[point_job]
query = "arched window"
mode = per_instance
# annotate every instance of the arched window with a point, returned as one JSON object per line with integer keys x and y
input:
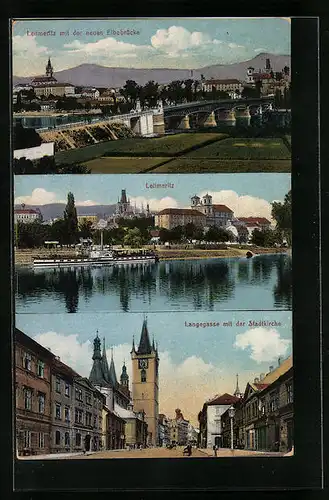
{"x": 57, "y": 438}
{"x": 67, "y": 439}
{"x": 78, "y": 440}
{"x": 143, "y": 376}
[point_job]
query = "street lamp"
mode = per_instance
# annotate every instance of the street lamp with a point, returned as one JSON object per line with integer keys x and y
{"x": 231, "y": 413}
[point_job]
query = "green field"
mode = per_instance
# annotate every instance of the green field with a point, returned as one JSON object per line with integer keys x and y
{"x": 169, "y": 145}
{"x": 117, "y": 165}
{"x": 204, "y": 165}
{"x": 243, "y": 148}
{"x": 183, "y": 153}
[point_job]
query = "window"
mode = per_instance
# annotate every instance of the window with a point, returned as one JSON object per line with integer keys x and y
{"x": 67, "y": 413}
{"x": 78, "y": 440}
{"x": 143, "y": 376}
{"x": 78, "y": 394}
{"x": 290, "y": 392}
{"x": 78, "y": 416}
{"x": 27, "y": 399}
{"x": 41, "y": 401}
{"x": 41, "y": 369}
{"x": 27, "y": 361}
{"x": 58, "y": 385}
{"x": 57, "y": 438}
{"x": 88, "y": 418}
{"x": 67, "y": 439}
{"x": 58, "y": 411}
{"x": 274, "y": 401}
{"x": 262, "y": 406}
{"x": 88, "y": 398}
{"x": 41, "y": 440}
{"x": 95, "y": 421}
{"x": 27, "y": 439}
{"x": 67, "y": 389}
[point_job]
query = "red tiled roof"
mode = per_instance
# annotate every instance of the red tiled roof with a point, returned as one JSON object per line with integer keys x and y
{"x": 253, "y": 220}
{"x": 228, "y": 81}
{"x": 260, "y": 386}
{"x": 44, "y": 79}
{"x": 262, "y": 76}
{"x": 222, "y": 208}
{"x": 181, "y": 211}
{"x": 25, "y": 211}
{"x": 224, "y": 399}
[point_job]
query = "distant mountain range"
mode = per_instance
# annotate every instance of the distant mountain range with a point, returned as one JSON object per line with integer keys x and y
{"x": 55, "y": 210}
{"x": 93, "y": 75}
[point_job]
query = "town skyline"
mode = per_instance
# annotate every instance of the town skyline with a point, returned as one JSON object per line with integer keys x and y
{"x": 145, "y": 43}
{"x": 192, "y": 357}
{"x": 245, "y": 194}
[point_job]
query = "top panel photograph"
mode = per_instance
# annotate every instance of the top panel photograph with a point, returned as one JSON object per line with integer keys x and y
{"x": 169, "y": 95}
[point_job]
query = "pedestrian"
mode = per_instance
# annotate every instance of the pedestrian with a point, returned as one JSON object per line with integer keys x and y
{"x": 189, "y": 450}
{"x": 215, "y": 450}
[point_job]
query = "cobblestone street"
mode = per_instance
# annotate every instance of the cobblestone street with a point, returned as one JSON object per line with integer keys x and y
{"x": 166, "y": 453}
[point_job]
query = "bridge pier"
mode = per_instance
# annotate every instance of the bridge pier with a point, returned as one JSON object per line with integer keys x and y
{"x": 184, "y": 123}
{"x": 207, "y": 120}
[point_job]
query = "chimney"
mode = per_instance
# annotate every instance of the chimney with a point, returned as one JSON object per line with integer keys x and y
{"x": 279, "y": 361}
{"x": 262, "y": 376}
{"x": 256, "y": 380}
{"x": 271, "y": 368}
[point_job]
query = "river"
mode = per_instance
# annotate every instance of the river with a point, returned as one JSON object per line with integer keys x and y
{"x": 260, "y": 283}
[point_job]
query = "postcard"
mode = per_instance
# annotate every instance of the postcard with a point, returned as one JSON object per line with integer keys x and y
{"x": 156, "y": 96}
{"x": 153, "y": 309}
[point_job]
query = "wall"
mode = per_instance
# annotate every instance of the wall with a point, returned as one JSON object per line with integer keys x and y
{"x": 214, "y": 413}
{"x": 45, "y": 149}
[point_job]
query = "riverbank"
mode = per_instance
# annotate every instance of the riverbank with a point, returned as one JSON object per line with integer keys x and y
{"x": 24, "y": 257}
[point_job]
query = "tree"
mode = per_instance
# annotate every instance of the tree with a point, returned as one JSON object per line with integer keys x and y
{"x": 85, "y": 230}
{"x": 130, "y": 91}
{"x": 217, "y": 234}
{"x": 149, "y": 94}
{"x": 25, "y": 137}
{"x": 71, "y": 220}
{"x": 281, "y": 213}
{"x": 190, "y": 231}
{"x": 133, "y": 238}
{"x": 58, "y": 231}
{"x": 164, "y": 234}
{"x": 249, "y": 92}
{"x": 87, "y": 106}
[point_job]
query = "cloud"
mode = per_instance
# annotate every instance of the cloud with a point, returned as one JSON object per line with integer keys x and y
{"x": 175, "y": 47}
{"x": 185, "y": 385}
{"x": 260, "y": 50}
{"x": 242, "y": 206}
{"x": 264, "y": 344}
{"x": 39, "y": 196}
{"x": 28, "y": 55}
{"x": 154, "y": 203}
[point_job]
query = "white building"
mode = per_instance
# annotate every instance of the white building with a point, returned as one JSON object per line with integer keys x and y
{"x": 26, "y": 215}
{"x": 91, "y": 93}
{"x": 192, "y": 434}
{"x": 215, "y": 408}
{"x": 45, "y": 149}
{"x": 228, "y": 85}
{"x": 216, "y": 215}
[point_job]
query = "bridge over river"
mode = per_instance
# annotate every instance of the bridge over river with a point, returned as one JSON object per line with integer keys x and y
{"x": 207, "y": 113}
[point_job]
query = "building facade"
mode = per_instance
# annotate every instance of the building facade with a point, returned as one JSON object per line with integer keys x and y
{"x": 173, "y": 217}
{"x": 48, "y": 85}
{"x": 145, "y": 383}
{"x": 33, "y": 396}
{"x": 228, "y": 85}
{"x": 26, "y": 215}
{"x": 216, "y": 215}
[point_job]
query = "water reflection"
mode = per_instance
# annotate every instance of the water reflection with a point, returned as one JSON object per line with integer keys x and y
{"x": 263, "y": 282}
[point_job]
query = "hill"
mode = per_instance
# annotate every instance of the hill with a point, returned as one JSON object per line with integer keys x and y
{"x": 94, "y": 75}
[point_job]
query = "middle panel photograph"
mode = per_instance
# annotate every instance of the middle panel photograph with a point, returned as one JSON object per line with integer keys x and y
{"x": 130, "y": 243}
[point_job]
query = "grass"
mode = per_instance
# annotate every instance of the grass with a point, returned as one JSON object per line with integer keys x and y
{"x": 243, "y": 148}
{"x": 203, "y": 165}
{"x": 122, "y": 165}
{"x": 169, "y": 145}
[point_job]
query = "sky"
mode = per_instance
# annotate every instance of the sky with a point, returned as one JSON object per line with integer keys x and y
{"x": 140, "y": 43}
{"x": 246, "y": 194}
{"x": 196, "y": 363}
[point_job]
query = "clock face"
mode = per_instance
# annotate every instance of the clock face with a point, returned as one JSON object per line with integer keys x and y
{"x": 142, "y": 364}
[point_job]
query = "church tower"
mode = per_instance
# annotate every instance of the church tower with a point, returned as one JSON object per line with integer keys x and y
{"x": 207, "y": 205}
{"x": 145, "y": 382}
{"x": 237, "y": 392}
{"x": 49, "y": 69}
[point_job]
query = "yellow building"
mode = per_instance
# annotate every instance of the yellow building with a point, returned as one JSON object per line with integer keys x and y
{"x": 145, "y": 383}
{"x": 173, "y": 217}
{"x": 86, "y": 218}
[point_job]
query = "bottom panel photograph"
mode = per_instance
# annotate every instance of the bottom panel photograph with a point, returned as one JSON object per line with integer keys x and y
{"x": 165, "y": 385}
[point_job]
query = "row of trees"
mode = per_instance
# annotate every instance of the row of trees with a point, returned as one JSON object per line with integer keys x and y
{"x": 137, "y": 232}
{"x": 46, "y": 165}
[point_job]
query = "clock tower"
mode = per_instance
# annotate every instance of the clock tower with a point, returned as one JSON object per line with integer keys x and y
{"x": 145, "y": 382}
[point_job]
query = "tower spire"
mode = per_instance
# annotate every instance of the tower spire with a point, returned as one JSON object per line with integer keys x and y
{"x": 144, "y": 343}
{"x": 237, "y": 392}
